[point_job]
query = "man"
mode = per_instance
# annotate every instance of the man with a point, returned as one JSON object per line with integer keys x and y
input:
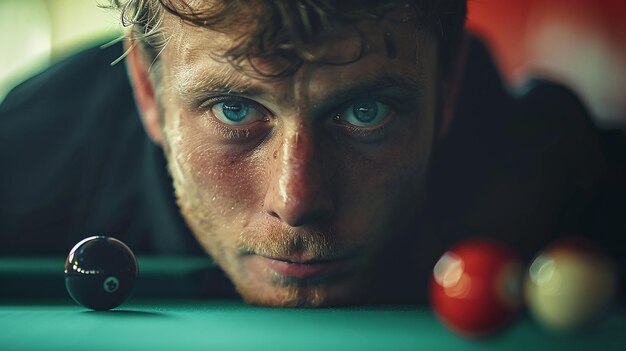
{"x": 298, "y": 136}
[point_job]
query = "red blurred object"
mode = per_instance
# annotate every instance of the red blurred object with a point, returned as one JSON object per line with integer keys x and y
{"x": 475, "y": 287}
{"x": 579, "y": 43}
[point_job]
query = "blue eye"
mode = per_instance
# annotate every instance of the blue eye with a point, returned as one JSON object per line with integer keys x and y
{"x": 364, "y": 113}
{"x": 236, "y": 112}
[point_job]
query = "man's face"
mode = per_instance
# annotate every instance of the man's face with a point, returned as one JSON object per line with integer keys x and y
{"x": 297, "y": 187}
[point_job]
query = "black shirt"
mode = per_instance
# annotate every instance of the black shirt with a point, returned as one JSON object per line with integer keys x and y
{"x": 76, "y": 162}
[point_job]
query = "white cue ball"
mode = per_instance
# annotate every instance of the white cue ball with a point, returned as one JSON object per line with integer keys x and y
{"x": 570, "y": 285}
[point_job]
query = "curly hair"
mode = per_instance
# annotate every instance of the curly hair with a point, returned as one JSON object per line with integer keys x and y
{"x": 284, "y": 29}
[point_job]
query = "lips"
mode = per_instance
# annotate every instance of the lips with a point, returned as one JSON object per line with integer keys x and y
{"x": 298, "y": 267}
{"x": 300, "y": 270}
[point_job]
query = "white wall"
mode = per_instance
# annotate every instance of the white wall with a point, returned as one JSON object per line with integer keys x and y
{"x": 35, "y": 33}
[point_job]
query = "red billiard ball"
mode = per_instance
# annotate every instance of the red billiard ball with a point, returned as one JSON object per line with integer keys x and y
{"x": 100, "y": 272}
{"x": 475, "y": 287}
{"x": 571, "y": 284}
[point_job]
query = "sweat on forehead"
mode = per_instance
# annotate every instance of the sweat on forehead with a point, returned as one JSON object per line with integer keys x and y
{"x": 281, "y": 36}
{"x": 194, "y": 51}
{"x": 193, "y": 76}
{"x": 286, "y": 28}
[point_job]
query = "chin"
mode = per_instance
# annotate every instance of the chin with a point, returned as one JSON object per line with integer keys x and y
{"x": 286, "y": 297}
{"x": 282, "y": 294}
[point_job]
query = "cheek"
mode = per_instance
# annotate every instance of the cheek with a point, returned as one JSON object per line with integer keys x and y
{"x": 383, "y": 187}
{"x": 215, "y": 177}
{"x": 377, "y": 189}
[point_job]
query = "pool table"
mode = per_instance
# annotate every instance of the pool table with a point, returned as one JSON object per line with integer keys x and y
{"x": 181, "y": 303}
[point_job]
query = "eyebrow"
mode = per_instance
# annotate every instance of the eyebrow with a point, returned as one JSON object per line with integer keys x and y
{"x": 195, "y": 85}
{"x": 369, "y": 85}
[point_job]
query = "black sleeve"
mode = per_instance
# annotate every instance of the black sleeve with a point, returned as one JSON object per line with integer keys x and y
{"x": 76, "y": 162}
{"x": 526, "y": 167}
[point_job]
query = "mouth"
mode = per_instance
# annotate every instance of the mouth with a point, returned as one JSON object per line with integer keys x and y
{"x": 299, "y": 269}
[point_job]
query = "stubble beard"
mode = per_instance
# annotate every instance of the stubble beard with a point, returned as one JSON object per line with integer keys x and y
{"x": 272, "y": 242}
{"x": 269, "y": 242}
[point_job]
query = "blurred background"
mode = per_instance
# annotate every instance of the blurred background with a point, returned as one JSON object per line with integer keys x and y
{"x": 36, "y": 33}
{"x": 581, "y": 43}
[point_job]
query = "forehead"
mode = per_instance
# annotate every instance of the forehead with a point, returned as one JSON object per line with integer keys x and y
{"x": 194, "y": 53}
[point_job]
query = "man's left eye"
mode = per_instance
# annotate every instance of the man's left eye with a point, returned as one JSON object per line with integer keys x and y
{"x": 237, "y": 112}
{"x": 364, "y": 113}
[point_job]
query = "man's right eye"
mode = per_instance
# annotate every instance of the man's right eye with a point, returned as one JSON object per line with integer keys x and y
{"x": 237, "y": 112}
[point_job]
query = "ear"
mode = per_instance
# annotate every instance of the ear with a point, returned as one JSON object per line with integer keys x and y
{"x": 451, "y": 86}
{"x": 143, "y": 90}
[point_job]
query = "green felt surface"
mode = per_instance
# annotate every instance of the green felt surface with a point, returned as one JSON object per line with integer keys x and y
{"x": 231, "y": 325}
{"x": 178, "y": 320}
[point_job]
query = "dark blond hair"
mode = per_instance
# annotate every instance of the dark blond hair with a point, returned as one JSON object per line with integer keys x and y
{"x": 284, "y": 29}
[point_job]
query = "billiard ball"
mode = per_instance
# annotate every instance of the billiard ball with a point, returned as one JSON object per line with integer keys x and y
{"x": 475, "y": 287}
{"x": 570, "y": 285}
{"x": 100, "y": 272}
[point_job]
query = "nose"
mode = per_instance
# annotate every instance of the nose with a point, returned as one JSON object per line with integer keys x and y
{"x": 298, "y": 193}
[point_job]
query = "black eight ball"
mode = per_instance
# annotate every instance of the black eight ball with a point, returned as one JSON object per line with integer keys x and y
{"x": 100, "y": 272}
